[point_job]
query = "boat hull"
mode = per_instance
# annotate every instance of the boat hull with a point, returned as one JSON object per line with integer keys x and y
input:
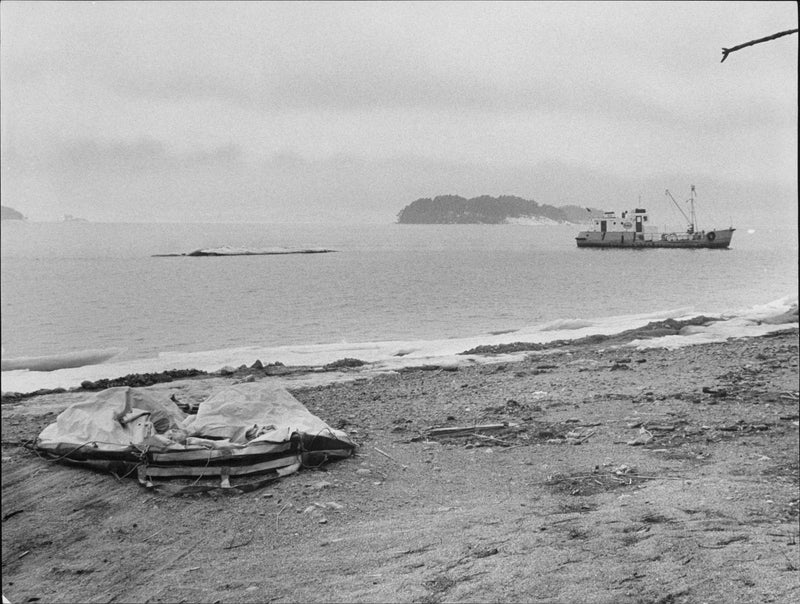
{"x": 716, "y": 239}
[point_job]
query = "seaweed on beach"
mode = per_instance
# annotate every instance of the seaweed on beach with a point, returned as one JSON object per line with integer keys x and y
{"x": 654, "y": 329}
{"x": 591, "y": 483}
{"x": 344, "y": 363}
{"x": 134, "y": 380}
{"x": 138, "y": 380}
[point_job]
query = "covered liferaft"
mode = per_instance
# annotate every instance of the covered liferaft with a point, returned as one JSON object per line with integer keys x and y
{"x": 242, "y": 436}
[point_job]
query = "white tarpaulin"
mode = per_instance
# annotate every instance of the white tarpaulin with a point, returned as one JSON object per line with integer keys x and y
{"x": 250, "y": 428}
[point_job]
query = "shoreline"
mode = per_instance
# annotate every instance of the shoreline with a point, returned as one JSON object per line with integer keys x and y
{"x": 377, "y": 357}
{"x": 488, "y": 352}
{"x": 619, "y": 475}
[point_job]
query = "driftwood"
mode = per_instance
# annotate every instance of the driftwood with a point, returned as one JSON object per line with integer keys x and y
{"x": 727, "y": 51}
{"x": 456, "y": 430}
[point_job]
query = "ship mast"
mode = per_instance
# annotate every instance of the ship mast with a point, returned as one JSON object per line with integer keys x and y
{"x": 691, "y": 205}
{"x": 680, "y": 209}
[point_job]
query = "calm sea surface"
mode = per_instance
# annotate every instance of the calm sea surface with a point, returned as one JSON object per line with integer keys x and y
{"x": 77, "y": 286}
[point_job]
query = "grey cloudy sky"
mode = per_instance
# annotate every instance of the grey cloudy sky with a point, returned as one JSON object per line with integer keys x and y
{"x": 305, "y": 111}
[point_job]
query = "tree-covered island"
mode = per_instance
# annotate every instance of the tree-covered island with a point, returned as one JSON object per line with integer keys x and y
{"x": 453, "y": 209}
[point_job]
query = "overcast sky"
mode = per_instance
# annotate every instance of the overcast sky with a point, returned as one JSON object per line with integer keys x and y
{"x": 304, "y": 111}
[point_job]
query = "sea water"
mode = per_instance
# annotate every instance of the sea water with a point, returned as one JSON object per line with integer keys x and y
{"x": 75, "y": 286}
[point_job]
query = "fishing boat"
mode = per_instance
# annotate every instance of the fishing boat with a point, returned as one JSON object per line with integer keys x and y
{"x": 630, "y": 230}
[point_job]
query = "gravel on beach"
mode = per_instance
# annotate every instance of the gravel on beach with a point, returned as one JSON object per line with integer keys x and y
{"x": 591, "y": 473}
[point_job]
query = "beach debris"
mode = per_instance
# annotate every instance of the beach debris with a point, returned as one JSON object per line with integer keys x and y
{"x": 413, "y": 368}
{"x": 317, "y": 510}
{"x": 385, "y": 454}
{"x": 643, "y": 438}
{"x": 468, "y": 430}
{"x": 573, "y": 437}
{"x": 660, "y": 427}
{"x": 238, "y": 429}
{"x": 719, "y": 393}
{"x": 741, "y": 426}
{"x": 508, "y": 435}
{"x": 597, "y": 481}
{"x": 578, "y": 437}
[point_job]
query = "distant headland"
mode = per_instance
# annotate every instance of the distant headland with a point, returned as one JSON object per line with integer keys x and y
{"x": 453, "y": 209}
{"x": 7, "y": 213}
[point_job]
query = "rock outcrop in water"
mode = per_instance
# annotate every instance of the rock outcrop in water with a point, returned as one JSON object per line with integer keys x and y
{"x": 236, "y": 251}
{"x": 452, "y": 209}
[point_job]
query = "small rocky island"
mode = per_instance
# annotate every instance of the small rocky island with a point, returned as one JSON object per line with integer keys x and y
{"x": 239, "y": 251}
{"x": 453, "y": 209}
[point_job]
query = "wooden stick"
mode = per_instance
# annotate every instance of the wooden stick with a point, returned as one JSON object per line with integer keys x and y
{"x": 385, "y": 454}
{"x": 727, "y": 51}
{"x": 492, "y": 438}
{"x": 465, "y": 429}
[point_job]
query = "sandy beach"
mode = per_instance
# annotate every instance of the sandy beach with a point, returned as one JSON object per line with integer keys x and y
{"x": 601, "y": 474}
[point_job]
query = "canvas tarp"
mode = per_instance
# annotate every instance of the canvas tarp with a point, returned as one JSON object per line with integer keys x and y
{"x": 244, "y": 429}
{"x": 256, "y": 408}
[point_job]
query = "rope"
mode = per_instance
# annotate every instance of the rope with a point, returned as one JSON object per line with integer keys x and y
{"x": 48, "y": 458}
{"x": 208, "y": 461}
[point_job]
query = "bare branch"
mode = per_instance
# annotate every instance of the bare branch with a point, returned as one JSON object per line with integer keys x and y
{"x": 727, "y": 51}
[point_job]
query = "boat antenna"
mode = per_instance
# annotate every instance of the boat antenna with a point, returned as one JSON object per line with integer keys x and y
{"x": 680, "y": 209}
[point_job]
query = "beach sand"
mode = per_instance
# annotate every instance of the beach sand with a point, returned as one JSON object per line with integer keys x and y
{"x": 621, "y": 476}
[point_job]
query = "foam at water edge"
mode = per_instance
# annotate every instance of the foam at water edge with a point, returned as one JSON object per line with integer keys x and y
{"x": 397, "y": 354}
